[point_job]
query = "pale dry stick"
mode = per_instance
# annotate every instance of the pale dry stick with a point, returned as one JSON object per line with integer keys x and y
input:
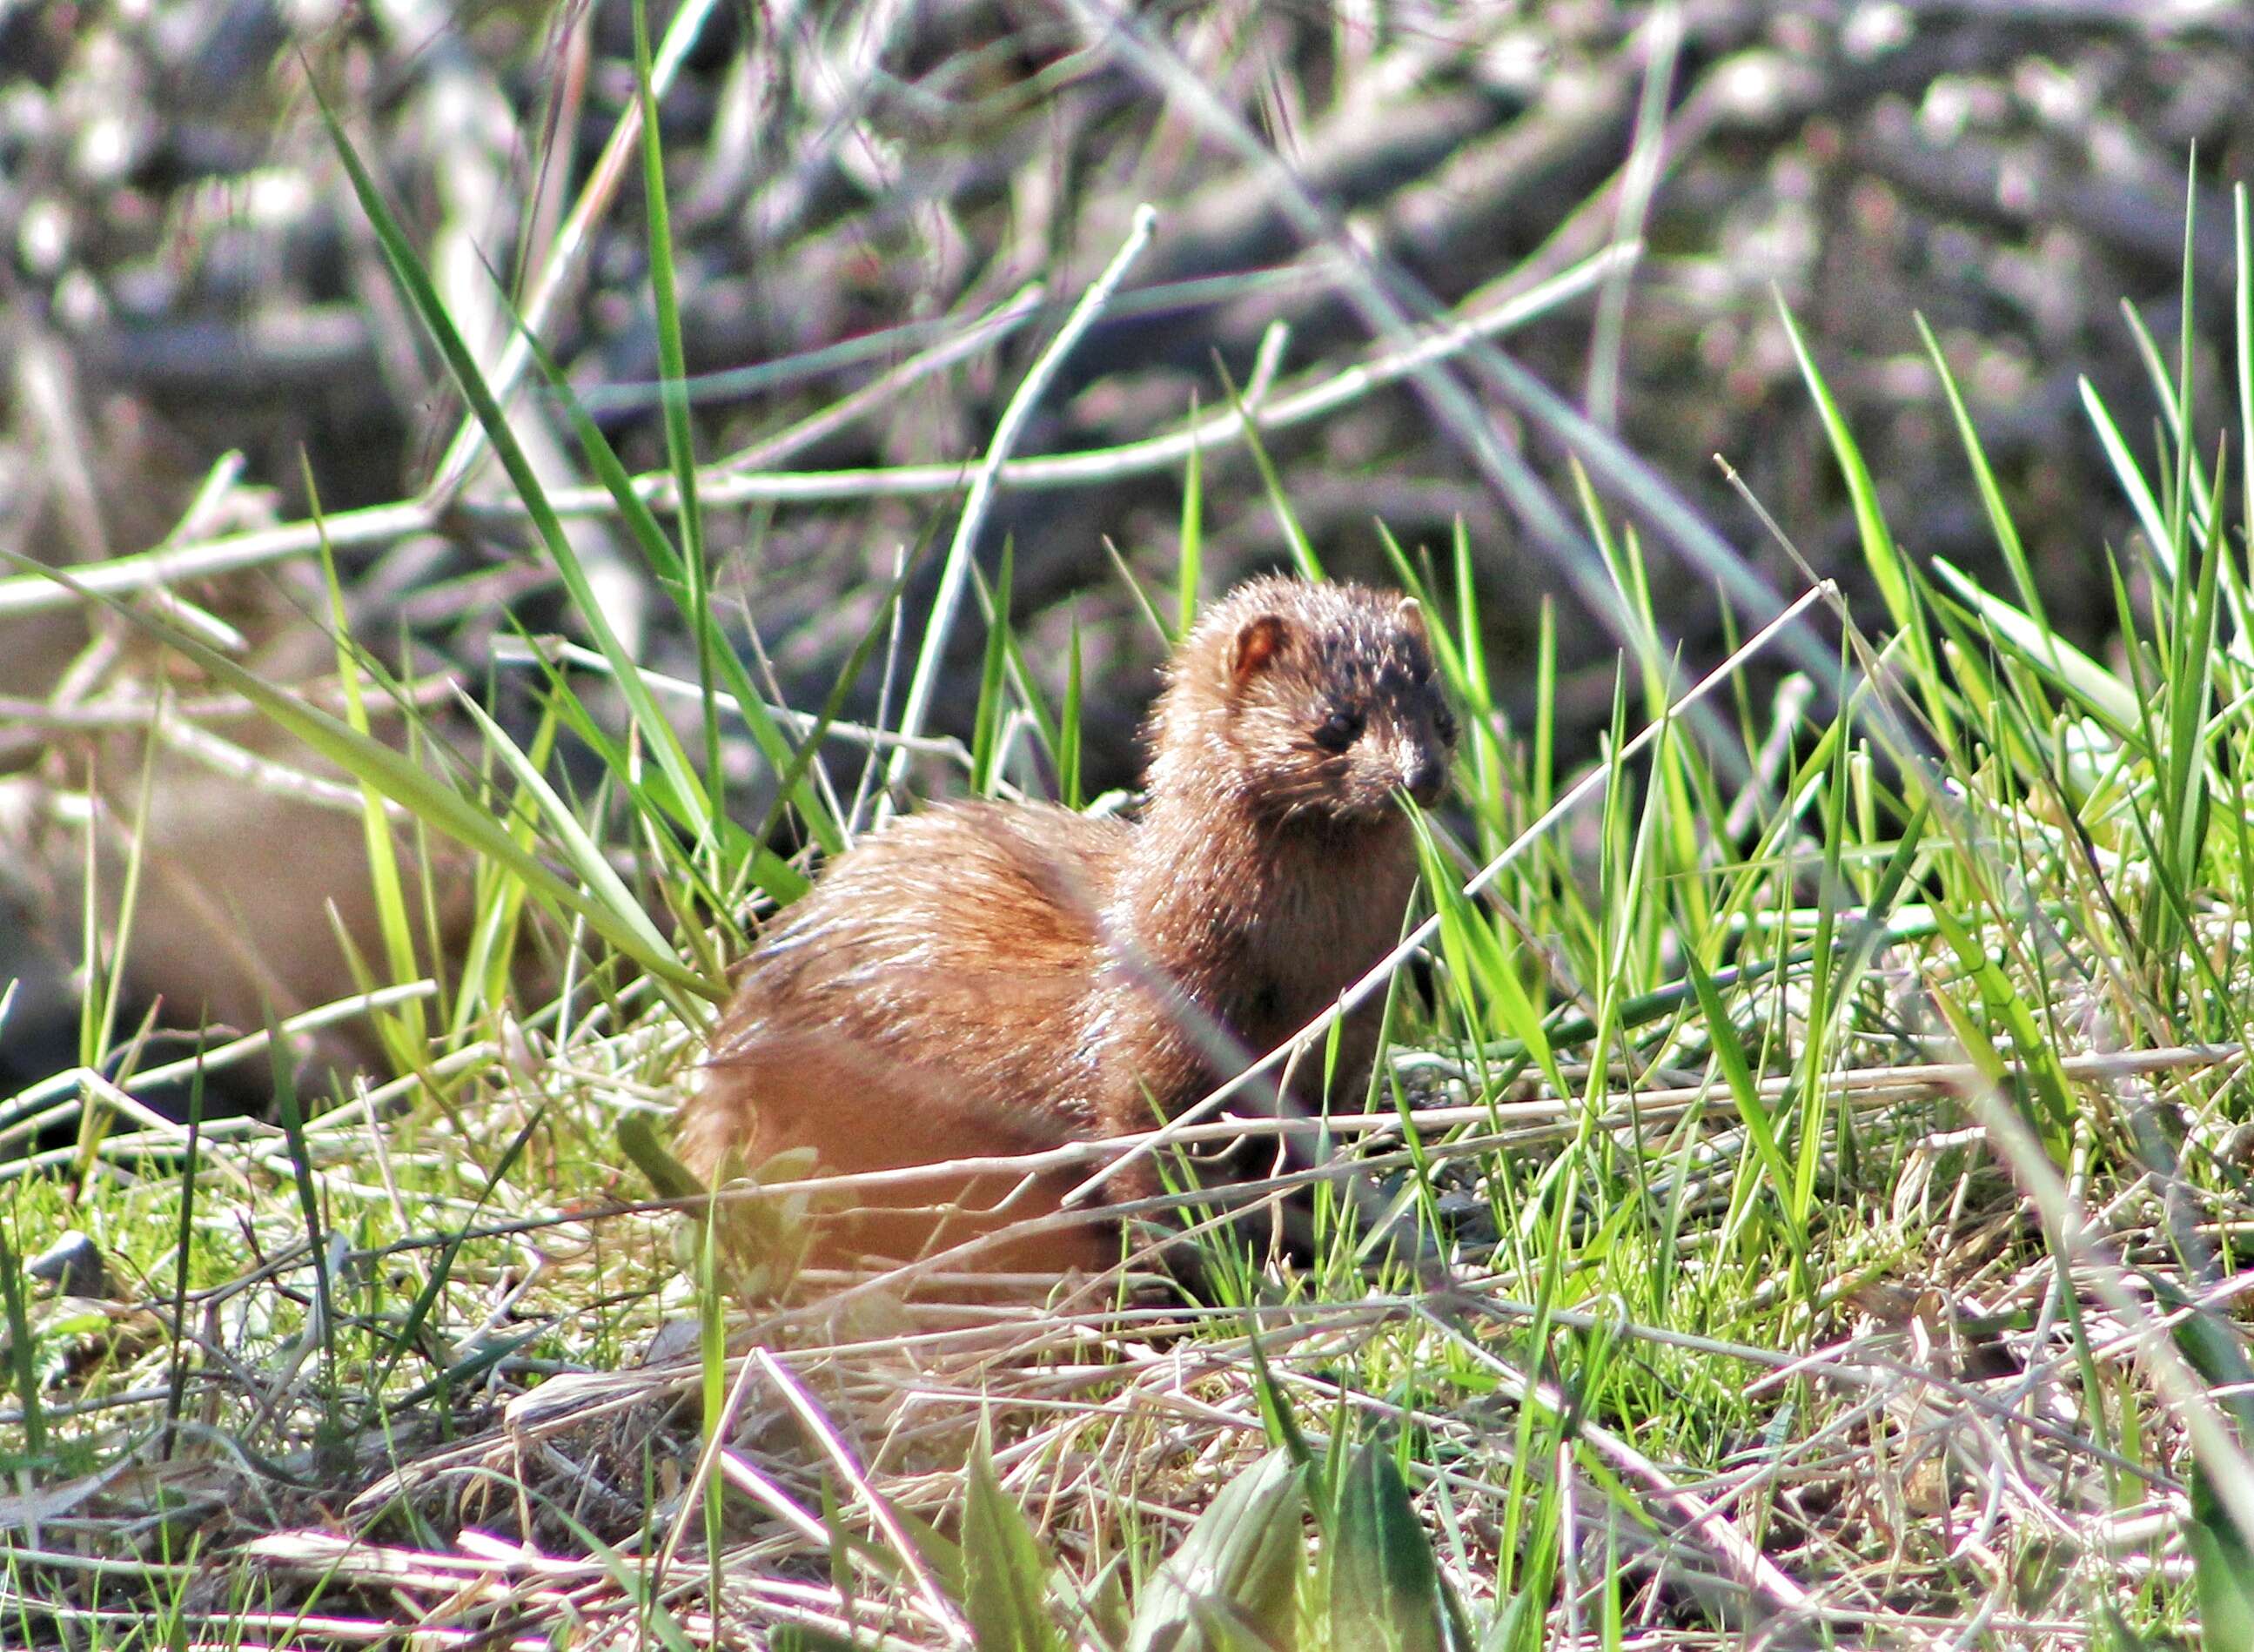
{"x": 1236, "y": 1200}
{"x": 1267, "y": 362}
{"x": 290, "y": 1358}
{"x": 806, "y": 1605}
{"x": 835, "y": 83}
{"x": 1663, "y": 40}
{"x": 760, "y": 1489}
{"x": 865, "y": 783}
{"x": 63, "y": 1083}
{"x": 1153, "y": 452}
{"x": 47, "y": 397}
{"x": 378, "y": 524}
{"x": 58, "y": 1411}
{"x": 716, "y": 1441}
{"x": 1389, "y": 302}
{"x": 199, "y": 623}
{"x": 955, "y": 576}
{"x": 296, "y": 1628}
{"x": 991, "y": 328}
{"x": 1752, "y": 1569}
{"x": 1379, "y": 973}
{"x": 559, "y": 651}
{"x": 501, "y": 1590}
{"x": 130, "y": 1144}
{"x": 1877, "y": 1374}
{"x": 486, "y": 1566}
{"x": 156, "y": 1124}
{"x": 1887, "y": 1084}
{"x": 1250, "y": 1194}
{"x": 1891, "y": 1082}
{"x": 2220, "y": 1295}
{"x": 263, "y": 774}
{"x": 1794, "y": 696}
{"x": 379, "y": 1154}
{"x": 880, "y": 1514}
{"x": 219, "y": 481}
{"x": 170, "y": 562}
{"x": 570, "y": 48}
{"x": 35, "y": 593}
{"x": 2026, "y": 1391}
{"x": 120, "y": 710}
{"x": 1569, "y": 1536}
{"x": 572, "y": 243}
{"x": 1177, "y": 1399}
{"x": 2222, "y": 1459}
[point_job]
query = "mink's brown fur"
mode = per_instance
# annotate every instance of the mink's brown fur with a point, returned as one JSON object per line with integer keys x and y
{"x": 990, "y": 978}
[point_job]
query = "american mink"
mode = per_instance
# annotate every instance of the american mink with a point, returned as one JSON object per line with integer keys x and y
{"x": 991, "y": 979}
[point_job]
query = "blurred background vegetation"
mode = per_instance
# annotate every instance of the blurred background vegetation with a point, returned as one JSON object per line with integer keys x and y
{"x": 195, "y": 320}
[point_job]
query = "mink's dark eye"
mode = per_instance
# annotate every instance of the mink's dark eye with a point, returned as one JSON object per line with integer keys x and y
{"x": 1337, "y": 730}
{"x": 1444, "y": 724}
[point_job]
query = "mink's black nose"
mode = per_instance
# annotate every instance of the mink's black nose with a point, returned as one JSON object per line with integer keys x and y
{"x": 1427, "y": 778}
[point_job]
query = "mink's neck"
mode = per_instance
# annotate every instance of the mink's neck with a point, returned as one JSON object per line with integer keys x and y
{"x": 1261, "y": 920}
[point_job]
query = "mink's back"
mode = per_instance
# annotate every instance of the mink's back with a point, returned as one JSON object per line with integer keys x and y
{"x": 923, "y": 1001}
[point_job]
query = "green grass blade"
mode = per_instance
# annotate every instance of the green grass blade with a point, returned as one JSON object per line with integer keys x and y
{"x": 2130, "y": 476}
{"x": 415, "y": 285}
{"x": 402, "y": 1029}
{"x": 2242, "y": 357}
{"x": 1896, "y": 581}
{"x": 1295, "y": 537}
{"x": 673, "y": 391}
{"x": 291, "y": 1117}
{"x": 580, "y": 850}
{"x": 665, "y": 563}
{"x": 988, "y": 721}
{"x": 1005, "y": 1572}
{"x": 2098, "y": 690}
{"x": 414, "y": 789}
{"x": 1191, "y": 564}
{"x": 1067, "y": 756}
{"x": 22, "y": 1357}
{"x": 1984, "y": 478}
{"x": 1729, "y": 1052}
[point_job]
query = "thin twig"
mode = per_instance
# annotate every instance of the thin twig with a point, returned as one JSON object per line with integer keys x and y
{"x": 573, "y": 242}
{"x": 717, "y": 486}
{"x": 880, "y": 1513}
{"x": 955, "y": 575}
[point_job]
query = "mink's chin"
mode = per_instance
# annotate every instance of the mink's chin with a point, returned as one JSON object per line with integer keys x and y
{"x": 1363, "y": 809}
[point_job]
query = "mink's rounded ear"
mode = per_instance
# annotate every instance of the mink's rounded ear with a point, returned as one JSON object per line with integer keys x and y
{"x": 1412, "y": 614}
{"x": 1259, "y": 640}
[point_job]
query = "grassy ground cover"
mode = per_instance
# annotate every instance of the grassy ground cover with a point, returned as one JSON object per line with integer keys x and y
{"x": 1828, "y": 1102}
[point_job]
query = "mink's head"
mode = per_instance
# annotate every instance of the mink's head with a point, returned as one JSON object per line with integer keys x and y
{"x": 1304, "y": 702}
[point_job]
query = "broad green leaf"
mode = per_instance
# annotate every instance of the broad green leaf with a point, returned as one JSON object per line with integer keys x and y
{"x": 1006, "y": 1573}
{"x": 1385, "y": 1587}
{"x": 2222, "y": 1564}
{"x": 1244, "y": 1556}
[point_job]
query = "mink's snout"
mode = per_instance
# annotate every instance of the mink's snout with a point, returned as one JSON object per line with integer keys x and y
{"x": 1426, "y": 776}
{"x": 1426, "y": 744}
